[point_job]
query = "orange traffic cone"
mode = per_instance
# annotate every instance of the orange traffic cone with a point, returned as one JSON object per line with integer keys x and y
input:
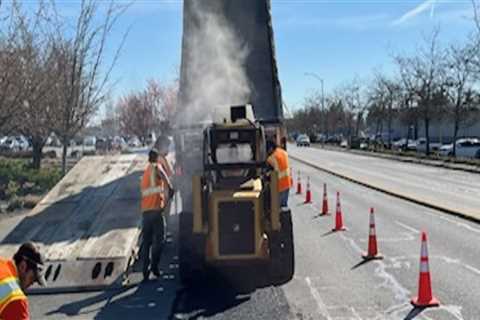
{"x": 308, "y": 194}
{"x": 372, "y": 240}
{"x": 425, "y": 298}
{"x": 299, "y": 183}
{"x": 325, "y": 201}
{"x": 338, "y": 217}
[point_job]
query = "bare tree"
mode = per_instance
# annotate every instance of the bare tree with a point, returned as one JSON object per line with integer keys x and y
{"x": 352, "y": 97}
{"x": 385, "y": 94}
{"x": 85, "y": 78}
{"x": 136, "y": 115}
{"x": 163, "y": 99}
{"x": 423, "y": 75}
{"x": 11, "y": 84}
{"x": 460, "y": 84}
{"x": 32, "y": 108}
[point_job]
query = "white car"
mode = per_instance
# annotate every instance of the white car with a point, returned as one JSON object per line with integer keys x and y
{"x": 134, "y": 142}
{"x": 303, "y": 140}
{"x": 465, "y": 148}
{"x": 421, "y": 145}
{"x": 10, "y": 144}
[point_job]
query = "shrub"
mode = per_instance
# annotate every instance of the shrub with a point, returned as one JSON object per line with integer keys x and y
{"x": 19, "y": 178}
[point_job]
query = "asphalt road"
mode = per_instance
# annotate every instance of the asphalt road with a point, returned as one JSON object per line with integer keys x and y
{"x": 330, "y": 282}
{"x": 451, "y": 189}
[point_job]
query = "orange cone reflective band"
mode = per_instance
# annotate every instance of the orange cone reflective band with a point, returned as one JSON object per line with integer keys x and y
{"x": 425, "y": 297}
{"x": 325, "y": 200}
{"x": 338, "y": 216}
{"x": 372, "y": 240}
{"x": 299, "y": 184}
{"x": 308, "y": 194}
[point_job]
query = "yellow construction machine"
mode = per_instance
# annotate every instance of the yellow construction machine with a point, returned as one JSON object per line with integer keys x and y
{"x": 236, "y": 227}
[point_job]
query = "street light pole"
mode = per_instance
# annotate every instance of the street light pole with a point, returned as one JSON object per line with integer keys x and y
{"x": 316, "y": 76}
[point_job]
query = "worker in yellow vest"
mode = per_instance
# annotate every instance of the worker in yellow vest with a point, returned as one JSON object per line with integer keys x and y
{"x": 278, "y": 160}
{"x": 16, "y": 276}
{"x": 156, "y": 190}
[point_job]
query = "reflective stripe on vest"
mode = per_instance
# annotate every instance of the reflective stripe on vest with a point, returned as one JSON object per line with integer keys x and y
{"x": 152, "y": 189}
{"x": 9, "y": 284}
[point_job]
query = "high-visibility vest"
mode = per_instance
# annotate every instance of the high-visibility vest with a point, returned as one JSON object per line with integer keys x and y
{"x": 10, "y": 289}
{"x": 279, "y": 161}
{"x": 153, "y": 188}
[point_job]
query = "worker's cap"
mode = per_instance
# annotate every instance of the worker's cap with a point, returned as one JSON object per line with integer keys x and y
{"x": 153, "y": 155}
{"x": 29, "y": 252}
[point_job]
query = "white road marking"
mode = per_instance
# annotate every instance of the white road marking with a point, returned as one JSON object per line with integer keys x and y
{"x": 457, "y": 223}
{"x": 409, "y": 228}
{"x": 322, "y": 307}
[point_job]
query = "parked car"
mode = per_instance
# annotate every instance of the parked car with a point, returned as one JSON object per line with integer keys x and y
{"x": 334, "y": 139}
{"x": 421, "y": 145}
{"x": 23, "y": 144}
{"x": 101, "y": 144}
{"x": 118, "y": 143}
{"x": 359, "y": 143}
{"x": 465, "y": 148}
{"x": 320, "y": 138}
{"x": 303, "y": 140}
{"x": 10, "y": 144}
{"x": 134, "y": 142}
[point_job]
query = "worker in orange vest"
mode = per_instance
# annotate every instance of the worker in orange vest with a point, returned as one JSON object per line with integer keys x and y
{"x": 16, "y": 276}
{"x": 156, "y": 190}
{"x": 278, "y": 160}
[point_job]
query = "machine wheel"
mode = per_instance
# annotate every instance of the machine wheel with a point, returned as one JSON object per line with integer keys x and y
{"x": 191, "y": 263}
{"x": 282, "y": 264}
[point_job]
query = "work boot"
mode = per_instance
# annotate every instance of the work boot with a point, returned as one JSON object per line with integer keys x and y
{"x": 156, "y": 272}
{"x": 146, "y": 275}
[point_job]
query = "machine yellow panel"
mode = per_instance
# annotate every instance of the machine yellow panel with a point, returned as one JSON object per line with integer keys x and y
{"x": 236, "y": 232}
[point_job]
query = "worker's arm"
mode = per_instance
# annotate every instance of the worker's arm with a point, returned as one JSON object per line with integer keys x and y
{"x": 162, "y": 175}
{"x": 271, "y": 161}
{"x": 166, "y": 165}
{"x": 16, "y": 310}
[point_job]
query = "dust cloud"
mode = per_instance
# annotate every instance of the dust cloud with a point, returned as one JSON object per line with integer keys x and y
{"x": 213, "y": 75}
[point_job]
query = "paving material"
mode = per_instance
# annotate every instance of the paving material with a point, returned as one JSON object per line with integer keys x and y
{"x": 450, "y": 191}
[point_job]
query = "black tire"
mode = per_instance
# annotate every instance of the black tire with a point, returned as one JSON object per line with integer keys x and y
{"x": 282, "y": 264}
{"x": 191, "y": 262}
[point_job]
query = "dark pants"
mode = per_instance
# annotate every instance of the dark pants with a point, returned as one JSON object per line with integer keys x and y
{"x": 153, "y": 230}
{"x": 284, "y": 198}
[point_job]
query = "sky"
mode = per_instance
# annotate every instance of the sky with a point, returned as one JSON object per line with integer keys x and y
{"x": 337, "y": 40}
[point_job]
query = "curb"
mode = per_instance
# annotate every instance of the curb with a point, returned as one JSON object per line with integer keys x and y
{"x": 443, "y": 209}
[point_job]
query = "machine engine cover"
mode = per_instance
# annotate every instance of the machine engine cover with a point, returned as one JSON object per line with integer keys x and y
{"x": 236, "y": 220}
